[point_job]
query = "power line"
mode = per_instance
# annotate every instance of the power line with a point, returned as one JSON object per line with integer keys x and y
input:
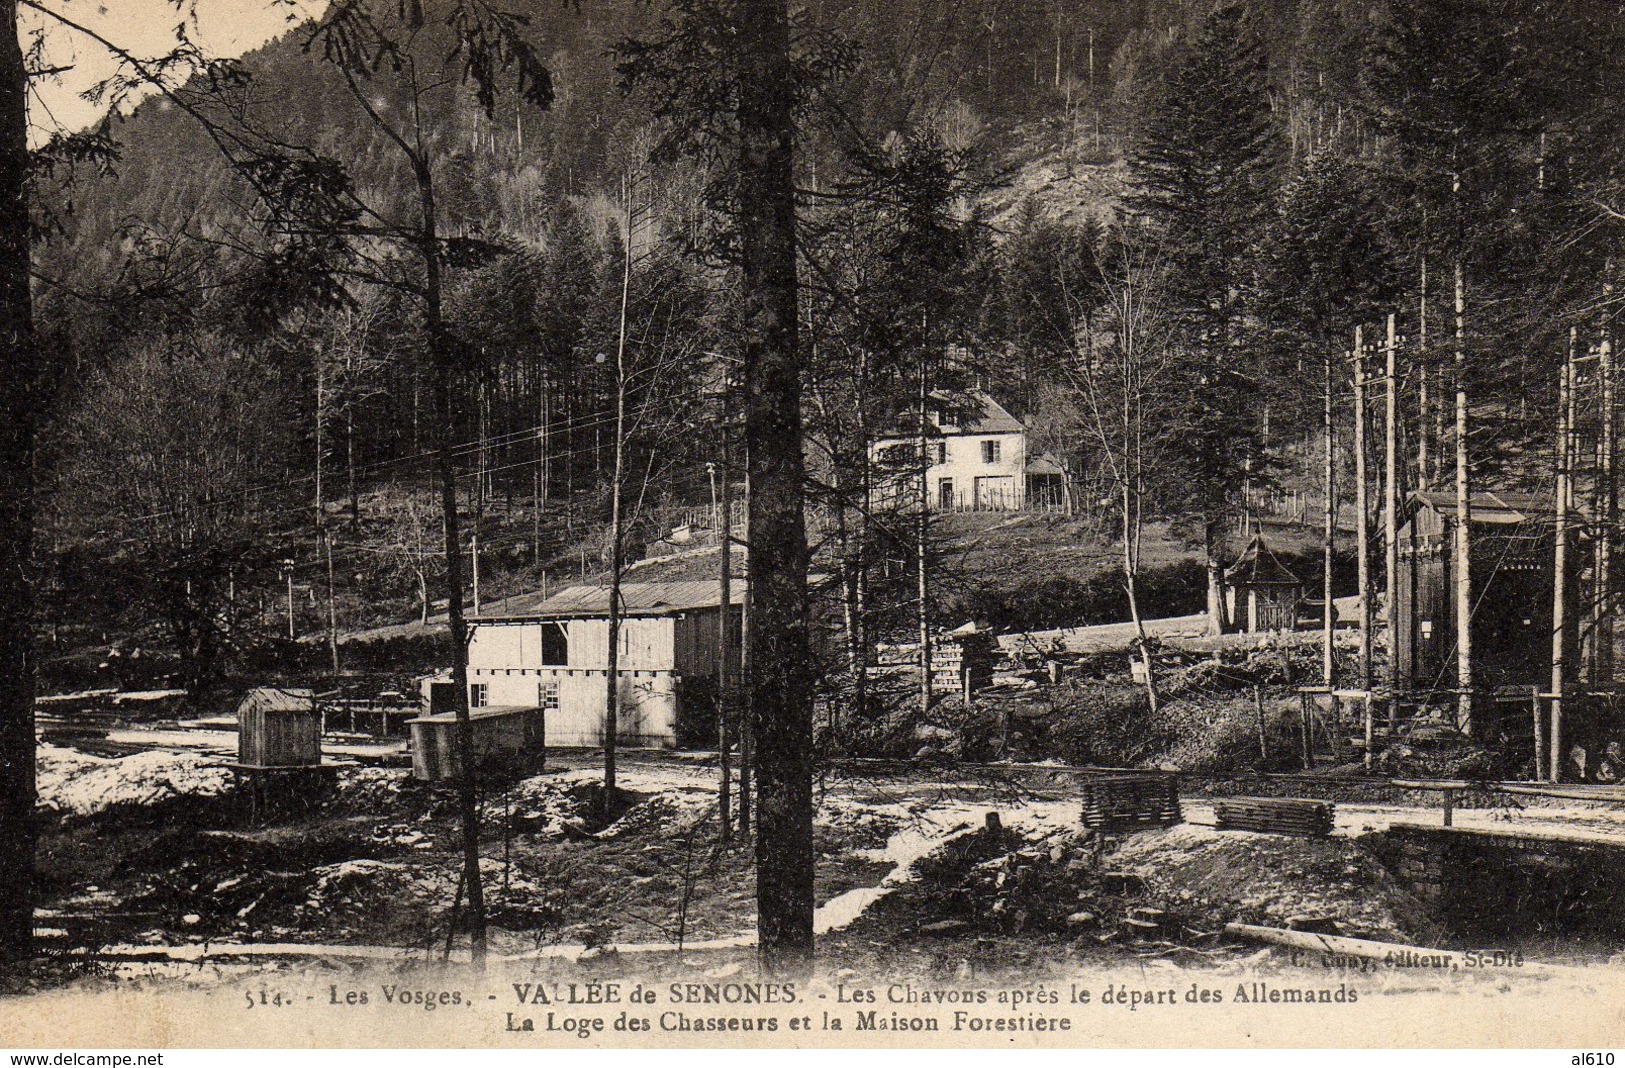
{"x": 538, "y": 432}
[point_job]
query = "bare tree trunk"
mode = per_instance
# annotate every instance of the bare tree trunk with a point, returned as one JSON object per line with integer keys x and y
{"x": 332, "y": 600}
{"x": 19, "y": 359}
{"x": 1132, "y": 474}
{"x": 1131, "y": 573}
{"x": 319, "y": 503}
{"x": 779, "y": 649}
{"x": 1462, "y": 562}
{"x": 922, "y": 539}
{"x": 1215, "y": 575}
{"x": 443, "y": 361}
{"x": 349, "y": 467}
{"x": 1362, "y": 509}
{"x": 858, "y": 559}
{"x": 617, "y": 524}
{"x": 612, "y": 664}
{"x": 850, "y": 612}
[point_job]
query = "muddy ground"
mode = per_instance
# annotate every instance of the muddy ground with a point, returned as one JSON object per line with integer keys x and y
{"x": 162, "y": 850}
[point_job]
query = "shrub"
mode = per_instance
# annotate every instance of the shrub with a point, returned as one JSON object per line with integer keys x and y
{"x": 1101, "y": 722}
{"x": 1048, "y": 601}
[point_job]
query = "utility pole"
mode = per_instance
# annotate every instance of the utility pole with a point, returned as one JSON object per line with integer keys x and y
{"x": 721, "y": 508}
{"x": 747, "y": 728}
{"x": 617, "y": 520}
{"x": 1328, "y": 486}
{"x": 287, "y": 573}
{"x": 1390, "y": 515}
{"x": 538, "y": 471}
{"x": 1607, "y": 511}
{"x": 1424, "y": 404}
{"x": 1560, "y": 559}
{"x": 1362, "y": 509}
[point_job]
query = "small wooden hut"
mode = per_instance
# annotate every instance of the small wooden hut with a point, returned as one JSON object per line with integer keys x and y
{"x": 1261, "y": 593}
{"x": 279, "y": 728}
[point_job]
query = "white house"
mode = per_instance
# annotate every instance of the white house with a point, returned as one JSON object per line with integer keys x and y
{"x": 556, "y": 657}
{"x": 977, "y": 459}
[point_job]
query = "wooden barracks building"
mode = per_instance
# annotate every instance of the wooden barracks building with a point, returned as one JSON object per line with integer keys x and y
{"x": 555, "y": 657}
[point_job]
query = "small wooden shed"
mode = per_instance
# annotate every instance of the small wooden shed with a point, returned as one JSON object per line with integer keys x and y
{"x": 1261, "y": 593}
{"x": 279, "y": 728}
{"x": 505, "y": 738}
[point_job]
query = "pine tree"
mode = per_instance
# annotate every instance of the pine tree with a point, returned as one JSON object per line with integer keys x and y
{"x": 1048, "y": 287}
{"x": 1203, "y": 174}
{"x": 1328, "y": 265}
{"x": 1204, "y": 170}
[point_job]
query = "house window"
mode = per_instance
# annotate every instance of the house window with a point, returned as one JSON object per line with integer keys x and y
{"x": 555, "y": 645}
{"x": 939, "y": 452}
{"x": 897, "y": 455}
{"x": 547, "y": 696}
{"x": 990, "y": 452}
{"x": 477, "y": 694}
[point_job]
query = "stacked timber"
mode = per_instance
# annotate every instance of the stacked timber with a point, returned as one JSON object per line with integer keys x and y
{"x": 1274, "y": 815}
{"x": 961, "y": 654}
{"x": 1131, "y": 801}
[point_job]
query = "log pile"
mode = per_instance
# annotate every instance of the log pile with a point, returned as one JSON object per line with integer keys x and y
{"x": 1129, "y": 802}
{"x": 1274, "y": 815}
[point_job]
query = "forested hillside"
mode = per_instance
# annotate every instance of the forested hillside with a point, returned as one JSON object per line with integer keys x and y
{"x": 1149, "y": 229}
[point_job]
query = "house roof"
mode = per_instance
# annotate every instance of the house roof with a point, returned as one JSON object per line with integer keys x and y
{"x": 1489, "y": 507}
{"x": 637, "y": 599}
{"x": 1259, "y": 566}
{"x": 278, "y": 699}
{"x": 1045, "y": 465}
{"x": 969, "y": 413}
{"x": 488, "y": 712}
{"x": 977, "y": 413}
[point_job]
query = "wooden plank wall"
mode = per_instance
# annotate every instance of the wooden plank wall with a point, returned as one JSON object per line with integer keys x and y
{"x": 513, "y": 737}
{"x": 279, "y": 739}
{"x": 646, "y": 644}
{"x": 695, "y": 643}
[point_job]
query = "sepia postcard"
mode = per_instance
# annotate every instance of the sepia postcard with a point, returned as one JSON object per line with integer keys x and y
{"x": 1009, "y": 524}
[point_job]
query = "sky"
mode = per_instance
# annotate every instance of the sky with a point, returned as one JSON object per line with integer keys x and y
{"x": 145, "y": 28}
